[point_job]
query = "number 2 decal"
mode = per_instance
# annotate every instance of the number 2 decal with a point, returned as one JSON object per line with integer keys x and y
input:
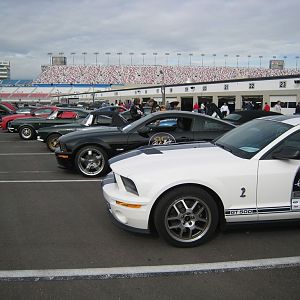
{"x": 243, "y": 192}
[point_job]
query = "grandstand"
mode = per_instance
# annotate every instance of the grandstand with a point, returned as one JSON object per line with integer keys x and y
{"x": 146, "y": 74}
{"x": 56, "y": 81}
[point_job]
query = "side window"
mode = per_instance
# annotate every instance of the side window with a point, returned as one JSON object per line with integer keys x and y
{"x": 103, "y": 120}
{"x": 292, "y": 140}
{"x": 171, "y": 124}
{"x": 206, "y": 124}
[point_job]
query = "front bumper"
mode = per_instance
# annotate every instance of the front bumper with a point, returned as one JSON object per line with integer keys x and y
{"x": 12, "y": 129}
{"x": 64, "y": 159}
{"x": 40, "y": 139}
{"x": 132, "y": 219}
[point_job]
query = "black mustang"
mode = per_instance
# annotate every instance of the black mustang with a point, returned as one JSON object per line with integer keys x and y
{"x": 89, "y": 150}
{"x": 50, "y": 135}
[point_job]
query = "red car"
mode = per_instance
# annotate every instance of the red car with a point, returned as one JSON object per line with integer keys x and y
{"x": 41, "y": 112}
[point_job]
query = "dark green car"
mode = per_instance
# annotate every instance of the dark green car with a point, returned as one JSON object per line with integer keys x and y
{"x": 50, "y": 135}
{"x": 27, "y": 127}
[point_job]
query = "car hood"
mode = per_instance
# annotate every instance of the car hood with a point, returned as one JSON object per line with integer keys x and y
{"x": 89, "y": 132}
{"x": 169, "y": 158}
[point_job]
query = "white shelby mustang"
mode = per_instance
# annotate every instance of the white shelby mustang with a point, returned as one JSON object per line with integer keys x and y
{"x": 251, "y": 174}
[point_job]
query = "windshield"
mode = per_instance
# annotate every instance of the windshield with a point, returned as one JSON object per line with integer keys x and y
{"x": 136, "y": 123}
{"x": 53, "y": 115}
{"x": 87, "y": 121}
{"x": 245, "y": 141}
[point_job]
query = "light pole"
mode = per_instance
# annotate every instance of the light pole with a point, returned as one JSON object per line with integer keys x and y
{"x": 163, "y": 91}
{"x": 297, "y": 57}
{"x": 260, "y": 58}
{"x": 214, "y": 55}
{"x": 249, "y": 56}
{"x": 131, "y": 54}
{"x": 143, "y": 54}
{"x": 96, "y": 54}
{"x": 119, "y": 54}
{"x": 155, "y": 54}
{"x": 202, "y": 55}
{"x": 50, "y": 56}
{"x": 237, "y": 60}
{"x": 84, "y": 54}
{"x": 225, "y": 59}
{"x": 178, "y": 55}
{"x": 285, "y": 57}
{"x": 167, "y": 60}
{"x": 108, "y": 54}
{"x": 191, "y": 54}
{"x": 73, "y": 53}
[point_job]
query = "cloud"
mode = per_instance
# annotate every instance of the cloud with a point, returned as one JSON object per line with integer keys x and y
{"x": 35, "y": 27}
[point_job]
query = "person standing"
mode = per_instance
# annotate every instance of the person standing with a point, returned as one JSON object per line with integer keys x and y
{"x": 277, "y": 107}
{"x": 225, "y": 110}
{"x": 267, "y": 107}
{"x": 297, "y": 110}
{"x": 136, "y": 110}
{"x": 196, "y": 107}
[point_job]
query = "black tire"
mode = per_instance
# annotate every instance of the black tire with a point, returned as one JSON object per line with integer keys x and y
{"x": 27, "y": 133}
{"x": 52, "y": 141}
{"x": 186, "y": 217}
{"x": 91, "y": 161}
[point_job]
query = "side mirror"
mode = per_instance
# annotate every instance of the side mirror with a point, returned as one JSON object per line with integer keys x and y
{"x": 144, "y": 131}
{"x": 287, "y": 152}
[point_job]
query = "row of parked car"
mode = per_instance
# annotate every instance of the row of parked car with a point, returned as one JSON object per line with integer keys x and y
{"x": 214, "y": 173}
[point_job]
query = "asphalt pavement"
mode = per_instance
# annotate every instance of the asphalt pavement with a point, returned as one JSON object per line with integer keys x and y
{"x": 52, "y": 218}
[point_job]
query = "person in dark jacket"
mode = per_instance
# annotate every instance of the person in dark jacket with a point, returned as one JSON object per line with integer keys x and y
{"x": 297, "y": 110}
{"x": 136, "y": 110}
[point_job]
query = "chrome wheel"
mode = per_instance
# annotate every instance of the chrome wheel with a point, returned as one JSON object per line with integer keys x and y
{"x": 187, "y": 219}
{"x": 91, "y": 161}
{"x": 26, "y": 133}
{"x": 186, "y": 216}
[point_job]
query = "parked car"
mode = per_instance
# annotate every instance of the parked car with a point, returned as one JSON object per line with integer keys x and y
{"x": 41, "y": 112}
{"x": 27, "y": 127}
{"x": 89, "y": 150}
{"x": 5, "y": 111}
{"x": 50, "y": 135}
{"x": 243, "y": 116}
{"x": 250, "y": 174}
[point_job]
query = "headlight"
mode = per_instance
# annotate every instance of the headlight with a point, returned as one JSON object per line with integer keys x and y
{"x": 129, "y": 185}
{"x": 62, "y": 147}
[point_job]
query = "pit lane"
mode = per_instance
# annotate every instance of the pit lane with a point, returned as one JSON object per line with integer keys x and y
{"x": 56, "y": 219}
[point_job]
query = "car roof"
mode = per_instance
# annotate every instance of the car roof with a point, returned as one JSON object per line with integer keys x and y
{"x": 293, "y": 120}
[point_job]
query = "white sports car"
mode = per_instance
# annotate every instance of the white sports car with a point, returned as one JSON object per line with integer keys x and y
{"x": 251, "y": 174}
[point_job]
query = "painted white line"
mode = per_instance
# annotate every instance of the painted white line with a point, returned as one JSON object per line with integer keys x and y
{"x": 15, "y": 154}
{"x": 50, "y": 181}
{"x": 148, "y": 271}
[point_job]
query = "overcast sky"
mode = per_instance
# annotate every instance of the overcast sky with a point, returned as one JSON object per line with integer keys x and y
{"x": 30, "y": 29}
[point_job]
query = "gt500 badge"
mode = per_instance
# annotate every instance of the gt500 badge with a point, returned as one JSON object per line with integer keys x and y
{"x": 162, "y": 138}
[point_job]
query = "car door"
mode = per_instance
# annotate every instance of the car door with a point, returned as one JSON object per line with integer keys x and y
{"x": 162, "y": 130}
{"x": 208, "y": 129}
{"x": 278, "y": 189}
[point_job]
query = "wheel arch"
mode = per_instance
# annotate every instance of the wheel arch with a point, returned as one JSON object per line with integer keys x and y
{"x": 207, "y": 189}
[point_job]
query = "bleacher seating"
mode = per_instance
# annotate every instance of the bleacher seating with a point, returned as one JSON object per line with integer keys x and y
{"x": 149, "y": 74}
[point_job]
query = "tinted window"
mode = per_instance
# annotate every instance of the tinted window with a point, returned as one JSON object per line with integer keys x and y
{"x": 43, "y": 111}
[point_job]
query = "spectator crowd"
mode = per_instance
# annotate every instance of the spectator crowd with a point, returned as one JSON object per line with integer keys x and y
{"x": 118, "y": 74}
